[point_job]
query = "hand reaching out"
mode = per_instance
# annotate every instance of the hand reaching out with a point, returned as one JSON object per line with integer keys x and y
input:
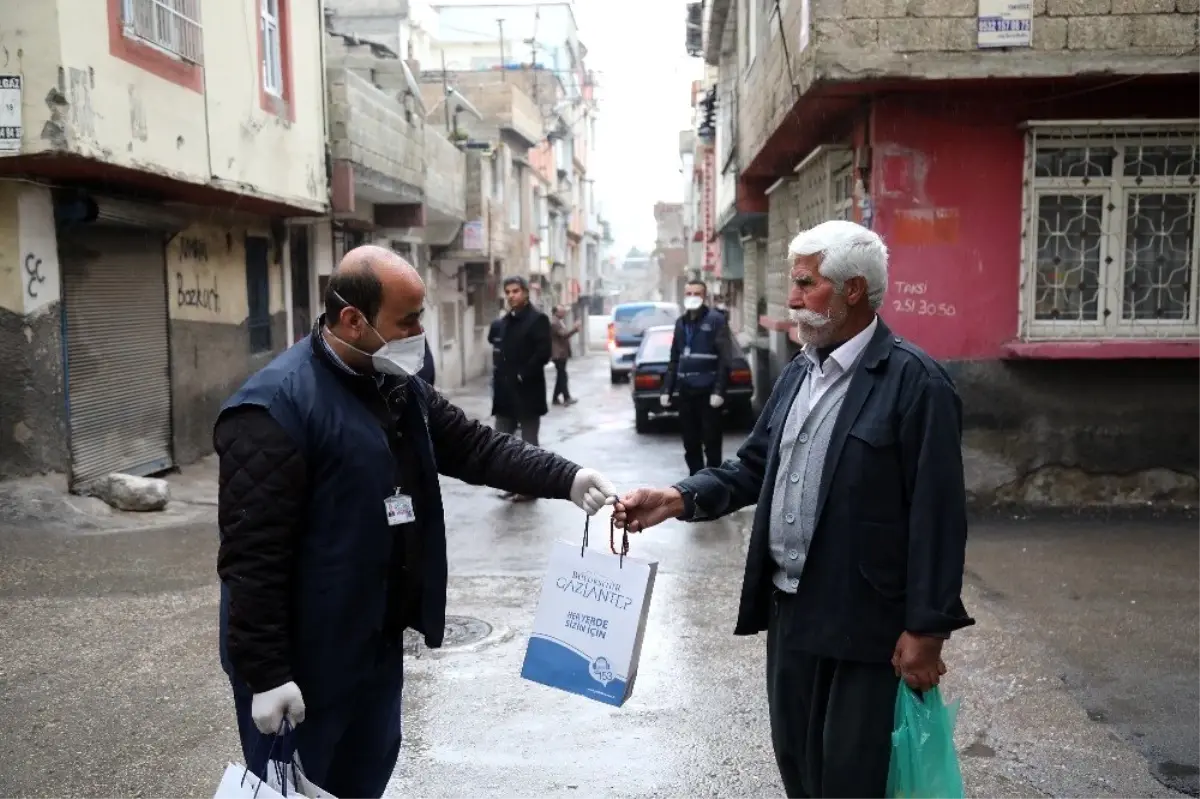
{"x": 646, "y": 507}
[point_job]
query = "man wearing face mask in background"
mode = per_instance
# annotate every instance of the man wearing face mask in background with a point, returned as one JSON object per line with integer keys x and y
{"x": 332, "y": 531}
{"x": 697, "y": 374}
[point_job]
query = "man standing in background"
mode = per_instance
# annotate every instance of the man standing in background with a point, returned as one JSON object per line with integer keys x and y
{"x": 699, "y": 369}
{"x": 560, "y": 351}
{"x": 519, "y": 390}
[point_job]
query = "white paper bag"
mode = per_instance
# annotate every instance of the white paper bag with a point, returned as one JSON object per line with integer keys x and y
{"x": 303, "y": 787}
{"x": 238, "y": 783}
{"x": 587, "y": 634}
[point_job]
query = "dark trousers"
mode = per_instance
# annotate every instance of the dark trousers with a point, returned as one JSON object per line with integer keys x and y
{"x": 560, "y": 380}
{"x": 529, "y": 427}
{"x": 702, "y": 431}
{"x": 831, "y": 720}
{"x": 349, "y": 748}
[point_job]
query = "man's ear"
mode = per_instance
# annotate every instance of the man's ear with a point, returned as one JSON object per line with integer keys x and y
{"x": 856, "y": 291}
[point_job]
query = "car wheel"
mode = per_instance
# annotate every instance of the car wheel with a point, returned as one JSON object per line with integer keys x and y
{"x": 641, "y": 421}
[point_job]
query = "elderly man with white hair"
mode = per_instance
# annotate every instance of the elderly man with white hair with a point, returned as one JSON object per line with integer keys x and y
{"x": 855, "y": 563}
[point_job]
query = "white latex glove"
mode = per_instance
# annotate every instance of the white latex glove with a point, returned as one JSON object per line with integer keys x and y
{"x": 665, "y": 400}
{"x": 716, "y": 400}
{"x": 268, "y": 708}
{"x": 592, "y": 491}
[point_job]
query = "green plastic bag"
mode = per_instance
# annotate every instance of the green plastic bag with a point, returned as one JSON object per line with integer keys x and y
{"x": 924, "y": 764}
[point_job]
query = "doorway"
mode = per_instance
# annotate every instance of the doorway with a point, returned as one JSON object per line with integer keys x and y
{"x": 302, "y": 312}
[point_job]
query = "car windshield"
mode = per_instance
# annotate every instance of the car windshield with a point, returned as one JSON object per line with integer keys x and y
{"x": 656, "y": 347}
{"x": 632, "y": 320}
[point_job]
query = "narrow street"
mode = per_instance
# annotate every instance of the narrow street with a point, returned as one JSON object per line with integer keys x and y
{"x": 1078, "y": 680}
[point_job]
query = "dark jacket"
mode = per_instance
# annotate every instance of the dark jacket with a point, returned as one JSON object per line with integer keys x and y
{"x": 428, "y": 371}
{"x": 709, "y": 336}
{"x": 519, "y": 391}
{"x": 310, "y": 572}
{"x": 495, "y": 336}
{"x": 889, "y": 544}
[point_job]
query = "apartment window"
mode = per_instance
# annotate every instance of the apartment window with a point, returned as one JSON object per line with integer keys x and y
{"x": 258, "y": 293}
{"x": 1110, "y": 232}
{"x": 842, "y": 201}
{"x": 272, "y": 48}
{"x": 172, "y": 26}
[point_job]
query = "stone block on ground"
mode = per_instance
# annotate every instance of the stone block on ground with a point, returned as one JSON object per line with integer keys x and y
{"x": 130, "y": 493}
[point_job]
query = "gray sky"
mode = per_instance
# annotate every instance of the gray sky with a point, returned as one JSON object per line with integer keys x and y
{"x": 645, "y": 75}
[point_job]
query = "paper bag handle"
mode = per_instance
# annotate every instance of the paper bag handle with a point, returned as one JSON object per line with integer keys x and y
{"x": 612, "y": 544}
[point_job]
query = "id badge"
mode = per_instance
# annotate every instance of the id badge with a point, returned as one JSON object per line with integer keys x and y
{"x": 399, "y": 509}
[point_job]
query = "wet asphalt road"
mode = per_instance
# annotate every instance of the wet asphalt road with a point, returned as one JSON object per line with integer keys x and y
{"x": 1079, "y": 680}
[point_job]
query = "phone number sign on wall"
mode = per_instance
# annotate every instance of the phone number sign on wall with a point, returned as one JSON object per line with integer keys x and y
{"x": 10, "y": 113}
{"x": 1005, "y": 23}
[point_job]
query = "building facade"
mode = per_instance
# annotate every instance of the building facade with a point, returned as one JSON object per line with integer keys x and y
{"x": 671, "y": 249}
{"x": 397, "y": 181}
{"x": 1035, "y": 177}
{"x": 152, "y": 175}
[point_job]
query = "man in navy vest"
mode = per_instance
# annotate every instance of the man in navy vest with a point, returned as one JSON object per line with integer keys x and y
{"x": 699, "y": 369}
{"x": 332, "y": 532}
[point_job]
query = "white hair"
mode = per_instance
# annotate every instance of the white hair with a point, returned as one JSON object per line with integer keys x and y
{"x": 847, "y": 250}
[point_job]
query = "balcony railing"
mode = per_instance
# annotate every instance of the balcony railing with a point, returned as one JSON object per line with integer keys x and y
{"x": 170, "y": 25}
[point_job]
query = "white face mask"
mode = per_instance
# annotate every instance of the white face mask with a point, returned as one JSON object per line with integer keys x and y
{"x": 403, "y": 356}
{"x": 693, "y": 303}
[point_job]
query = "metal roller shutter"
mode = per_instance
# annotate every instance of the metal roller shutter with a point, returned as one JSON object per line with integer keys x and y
{"x": 118, "y": 367}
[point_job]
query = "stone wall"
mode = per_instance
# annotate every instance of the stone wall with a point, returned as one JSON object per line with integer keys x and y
{"x": 445, "y": 174}
{"x": 865, "y": 40}
{"x": 782, "y": 225}
{"x": 371, "y": 130}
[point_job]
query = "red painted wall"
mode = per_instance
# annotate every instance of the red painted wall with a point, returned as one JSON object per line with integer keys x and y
{"x": 946, "y": 185}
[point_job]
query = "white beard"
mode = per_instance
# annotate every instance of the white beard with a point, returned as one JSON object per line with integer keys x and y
{"x": 818, "y": 329}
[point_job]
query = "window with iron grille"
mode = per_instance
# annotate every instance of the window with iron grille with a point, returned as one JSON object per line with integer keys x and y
{"x": 1110, "y": 245}
{"x": 842, "y": 202}
{"x": 172, "y": 26}
{"x": 272, "y": 50}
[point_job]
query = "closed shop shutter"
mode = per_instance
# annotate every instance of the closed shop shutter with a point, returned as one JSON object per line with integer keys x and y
{"x": 118, "y": 368}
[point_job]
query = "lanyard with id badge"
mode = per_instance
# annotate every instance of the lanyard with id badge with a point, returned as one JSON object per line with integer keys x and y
{"x": 399, "y": 508}
{"x": 688, "y": 332}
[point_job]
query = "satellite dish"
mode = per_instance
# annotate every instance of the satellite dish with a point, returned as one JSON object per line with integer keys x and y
{"x": 414, "y": 89}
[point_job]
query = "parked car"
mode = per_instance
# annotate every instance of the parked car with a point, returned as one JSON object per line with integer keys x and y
{"x": 629, "y": 321}
{"x": 650, "y": 368}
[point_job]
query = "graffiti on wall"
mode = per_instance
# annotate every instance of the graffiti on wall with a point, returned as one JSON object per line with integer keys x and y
{"x": 191, "y": 294}
{"x": 196, "y": 284}
{"x": 37, "y": 251}
{"x": 33, "y": 273}
{"x": 193, "y": 249}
